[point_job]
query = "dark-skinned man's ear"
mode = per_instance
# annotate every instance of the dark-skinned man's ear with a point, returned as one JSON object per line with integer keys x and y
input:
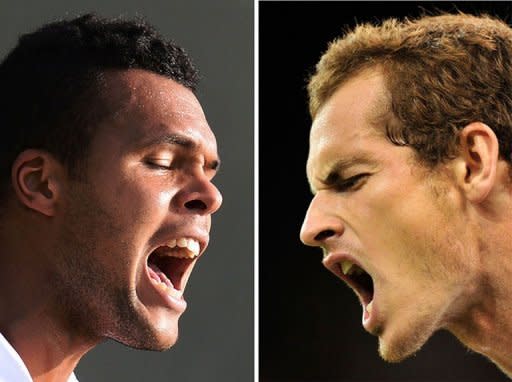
{"x": 478, "y": 161}
{"x": 36, "y": 177}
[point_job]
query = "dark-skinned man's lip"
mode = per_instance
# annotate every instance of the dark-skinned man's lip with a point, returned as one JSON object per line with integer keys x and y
{"x": 168, "y": 267}
{"x": 172, "y": 297}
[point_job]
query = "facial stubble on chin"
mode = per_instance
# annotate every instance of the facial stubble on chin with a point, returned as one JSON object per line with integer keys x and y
{"x": 96, "y": 302}
{"x": 407, "y": 345}
{"x": 422, "y": 316}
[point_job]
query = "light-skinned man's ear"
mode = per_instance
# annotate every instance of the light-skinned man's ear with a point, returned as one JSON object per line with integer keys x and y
{"x": 476, "y": 166}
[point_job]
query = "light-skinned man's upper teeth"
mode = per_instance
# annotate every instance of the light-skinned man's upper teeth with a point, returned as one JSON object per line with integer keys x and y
{"x": 346, "y": 267}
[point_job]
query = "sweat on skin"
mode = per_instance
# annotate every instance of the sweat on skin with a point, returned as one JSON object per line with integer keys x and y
{"x": 100, "y": 248}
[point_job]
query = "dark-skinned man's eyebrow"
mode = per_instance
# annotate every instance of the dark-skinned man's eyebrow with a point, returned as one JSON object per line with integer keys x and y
{"x": 214, "y": 165}
{"x": 170, "y": 139}
{"x": 179, "y": 140}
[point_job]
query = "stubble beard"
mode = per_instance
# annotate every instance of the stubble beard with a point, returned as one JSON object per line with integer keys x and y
{"x": 96, "y": 302}
{"x": 397, "y": 346}
{"x": 420, "y": 319}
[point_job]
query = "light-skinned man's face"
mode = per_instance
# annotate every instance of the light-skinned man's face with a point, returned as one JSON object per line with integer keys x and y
{"x": 132, "y": 231}
{"x": 388, "y": 227}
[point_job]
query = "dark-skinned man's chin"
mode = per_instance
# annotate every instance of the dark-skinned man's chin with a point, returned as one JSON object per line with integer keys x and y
{"x": 153, "y": 339}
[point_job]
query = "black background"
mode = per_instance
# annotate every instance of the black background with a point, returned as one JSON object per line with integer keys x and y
{"x": 310, "y": 322}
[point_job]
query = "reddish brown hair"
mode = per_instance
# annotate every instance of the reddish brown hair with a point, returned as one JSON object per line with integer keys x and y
{"x": 442, "y": 73}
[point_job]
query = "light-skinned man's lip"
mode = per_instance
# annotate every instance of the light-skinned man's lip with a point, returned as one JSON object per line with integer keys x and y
{"x": 369, "y": 319}
{"x": 333, "y": 261}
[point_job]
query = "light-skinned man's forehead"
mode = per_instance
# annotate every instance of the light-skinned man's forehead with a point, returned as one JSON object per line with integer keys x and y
{"x": 382, "y": 104}
{"x": 357, "y": 109}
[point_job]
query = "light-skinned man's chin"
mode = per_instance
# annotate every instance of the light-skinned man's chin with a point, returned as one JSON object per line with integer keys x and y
{"x": 394, "y": 349}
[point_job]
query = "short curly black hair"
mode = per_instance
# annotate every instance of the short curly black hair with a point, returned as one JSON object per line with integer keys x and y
{"x": 50, "y": 80}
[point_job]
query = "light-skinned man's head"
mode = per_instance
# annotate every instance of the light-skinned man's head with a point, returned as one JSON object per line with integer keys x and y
{"x": 106, "y": 168}
{"x": 409, "y": 164}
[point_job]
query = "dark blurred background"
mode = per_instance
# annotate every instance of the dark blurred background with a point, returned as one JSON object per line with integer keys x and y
{"x": 310, "y": 322}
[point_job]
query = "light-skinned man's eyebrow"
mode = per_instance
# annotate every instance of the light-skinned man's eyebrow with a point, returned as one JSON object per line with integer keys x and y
{"x": 338, "y": 168}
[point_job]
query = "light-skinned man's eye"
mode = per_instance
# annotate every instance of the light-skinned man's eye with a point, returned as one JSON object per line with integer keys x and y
{"x": 351, "y": 184}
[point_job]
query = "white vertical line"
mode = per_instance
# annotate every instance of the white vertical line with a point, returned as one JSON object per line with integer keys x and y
{"x": 256, "y": 193}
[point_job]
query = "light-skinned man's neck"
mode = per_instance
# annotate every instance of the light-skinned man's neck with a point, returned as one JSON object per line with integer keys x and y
{"x": 486, "y": 325}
